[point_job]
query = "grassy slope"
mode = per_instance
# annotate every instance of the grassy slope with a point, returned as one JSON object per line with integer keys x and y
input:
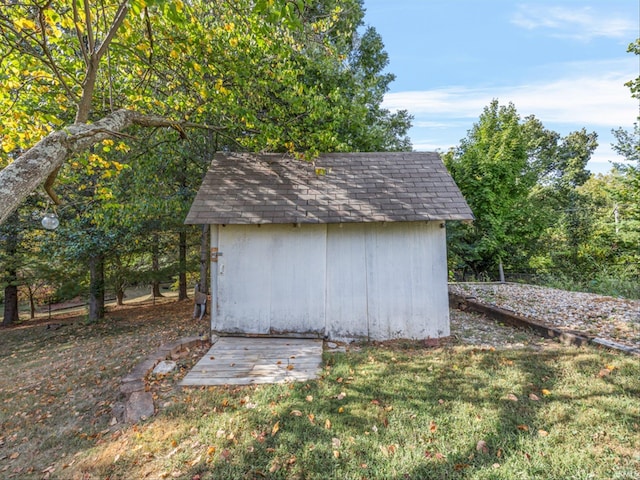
{"x": 392, "y": 411}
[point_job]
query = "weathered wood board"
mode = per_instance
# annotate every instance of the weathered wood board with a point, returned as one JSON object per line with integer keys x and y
{"x": 252, "y": 361}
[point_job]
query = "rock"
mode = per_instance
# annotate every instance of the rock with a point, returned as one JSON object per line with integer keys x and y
{"x": 118, "y": 411}
{"x": 139, "y": 407}
{"x": 164, "y": 367}
{"x": 331, "y": 345}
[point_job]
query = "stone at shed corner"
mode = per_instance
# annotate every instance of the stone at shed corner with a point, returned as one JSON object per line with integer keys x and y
{"x": 139, "y": 406}
{"x": 164, "y": 367}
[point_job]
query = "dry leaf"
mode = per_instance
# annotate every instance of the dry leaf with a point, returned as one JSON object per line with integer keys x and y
{"x": 275, "y": 428}
{"x": 482, "y": 447}
{"x": 604, "y": 372}
{"x": 311, "y": 417}
{"x": 511, "y": 397}
{"x": 543, "y": 433}
{"x": 534, "y": 397}
{"x": 339, "y": 380}
{"x": 296, "y": 413}
{"x": 336, "y": 453}
{"x": 545, "y": 392}
{"x": 433, "y": 427}
{"x": 275, "y": 466}
{"x": 524, "y": 428}
{"x": 327, "y": 424}
{"x": 335, "y": 442}
{"x": 341, "y": 410}
{"x": 290, "y": 367}
{"x": 461, "y": 466}
{"x": 341, "y": 395}
{"x": 14, "y": 455}
{"x": 309, "y": 398}
{"x": 211, "y": 450}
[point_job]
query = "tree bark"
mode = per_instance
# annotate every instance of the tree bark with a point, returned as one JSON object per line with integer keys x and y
{"x": 155, "y": 266}
{"x": 182, "y": 276}
{"x": 32, "y": 168}
{"x": 11, "y": 307}
{"x": 96, "y": 288}
{"x": 11, "y": 312}
{"x": 204, "y": 259}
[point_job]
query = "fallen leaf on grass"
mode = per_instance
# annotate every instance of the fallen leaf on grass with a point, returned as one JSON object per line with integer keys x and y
{"x": 545, "y": 392}
{"x": 482, "y": 447}
{"x": 296, "y": 413}
{"x": 461, "y": 466}
{"x": 309, "y": 398}
{"x": 511, "y": 397}
{"x": 524, "y": 428}
{"x": 543, "y": 433}
{"x": 534, "y": 397}
{"x": 604, "y": 373}
{"x": 341, "y": 396}
{"x": 335, "y": 442}
{"x": 14, "y": 455}
{"x": 433, "y": 427}
{"x": 275, "y": 428}
{"x": 336, "y": 453}
{"x": 327, "y": 424}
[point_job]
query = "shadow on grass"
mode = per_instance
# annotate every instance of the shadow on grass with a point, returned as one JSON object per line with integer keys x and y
{"x": 419, "y": 414}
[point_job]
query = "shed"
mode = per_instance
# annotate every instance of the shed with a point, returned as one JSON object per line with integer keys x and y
{"x": 352, "y": 245}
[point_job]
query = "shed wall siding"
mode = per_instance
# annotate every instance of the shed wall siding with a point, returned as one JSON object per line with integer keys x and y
{"x": 379, "y": 281}
{"x": 271, "y": 279}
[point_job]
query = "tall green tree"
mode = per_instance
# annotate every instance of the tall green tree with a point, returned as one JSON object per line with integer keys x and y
{"x": 492, "y": 170}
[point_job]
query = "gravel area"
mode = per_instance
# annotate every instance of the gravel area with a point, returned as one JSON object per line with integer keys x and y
{"x": 475, "y": 329}
{"x": 609, "y": 318}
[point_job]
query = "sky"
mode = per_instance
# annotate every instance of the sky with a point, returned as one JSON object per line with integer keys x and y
{"x": 564, "y": 61}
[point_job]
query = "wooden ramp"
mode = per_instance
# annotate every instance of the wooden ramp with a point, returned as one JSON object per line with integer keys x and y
{"x": 250, "y": 361}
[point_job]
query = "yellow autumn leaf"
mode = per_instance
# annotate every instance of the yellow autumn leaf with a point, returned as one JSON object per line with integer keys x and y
{"x": 25, "y": 24}
{"x": 545, "y": 392}
{"x": 275, "y": 428}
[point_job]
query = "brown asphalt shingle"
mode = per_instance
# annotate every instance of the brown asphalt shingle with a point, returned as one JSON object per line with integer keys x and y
{"x": 335, "y": 188}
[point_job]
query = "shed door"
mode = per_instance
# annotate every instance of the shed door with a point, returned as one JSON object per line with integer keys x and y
{"x": 271, "y": 279}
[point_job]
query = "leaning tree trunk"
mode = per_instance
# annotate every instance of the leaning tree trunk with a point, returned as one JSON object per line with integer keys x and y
{"x": 182, "y": 276}
{"x": 27, "y": 172}
{"x": 96, "y": 288}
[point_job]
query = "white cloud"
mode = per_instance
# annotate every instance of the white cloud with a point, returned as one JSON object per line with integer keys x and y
{"x": 577, "y": 23}
{"x": 599, "y": 98}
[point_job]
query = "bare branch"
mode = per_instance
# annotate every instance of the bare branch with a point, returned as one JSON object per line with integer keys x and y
{"x": 76, "y": 22}
{"x": 87, "y": 19}
{"x": 121, "y": 14}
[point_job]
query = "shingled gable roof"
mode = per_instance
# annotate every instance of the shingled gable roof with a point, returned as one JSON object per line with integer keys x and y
{"x": 336, "y": 188}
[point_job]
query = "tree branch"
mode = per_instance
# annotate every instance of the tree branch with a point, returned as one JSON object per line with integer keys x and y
{"x": 117, "y": 21}
{"x": 32, "y": 168}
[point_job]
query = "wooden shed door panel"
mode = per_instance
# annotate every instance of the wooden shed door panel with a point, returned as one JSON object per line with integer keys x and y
{"x": 271, "y": 279}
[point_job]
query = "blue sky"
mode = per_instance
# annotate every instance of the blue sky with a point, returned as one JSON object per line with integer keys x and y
{"x": 564, "y": 61}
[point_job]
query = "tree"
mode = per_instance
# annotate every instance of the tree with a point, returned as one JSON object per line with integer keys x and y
{"x": 492, "y": 170}
{"x": 67, "y": 47}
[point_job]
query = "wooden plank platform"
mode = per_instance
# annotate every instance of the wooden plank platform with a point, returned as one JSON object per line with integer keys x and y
{"x": 251, "y": 361}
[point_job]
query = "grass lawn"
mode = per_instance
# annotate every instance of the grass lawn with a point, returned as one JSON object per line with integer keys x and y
{"x": 390, "y": 411}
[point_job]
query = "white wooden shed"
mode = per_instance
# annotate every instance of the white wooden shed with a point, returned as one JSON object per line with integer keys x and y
{"x": 352, "y": 245}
